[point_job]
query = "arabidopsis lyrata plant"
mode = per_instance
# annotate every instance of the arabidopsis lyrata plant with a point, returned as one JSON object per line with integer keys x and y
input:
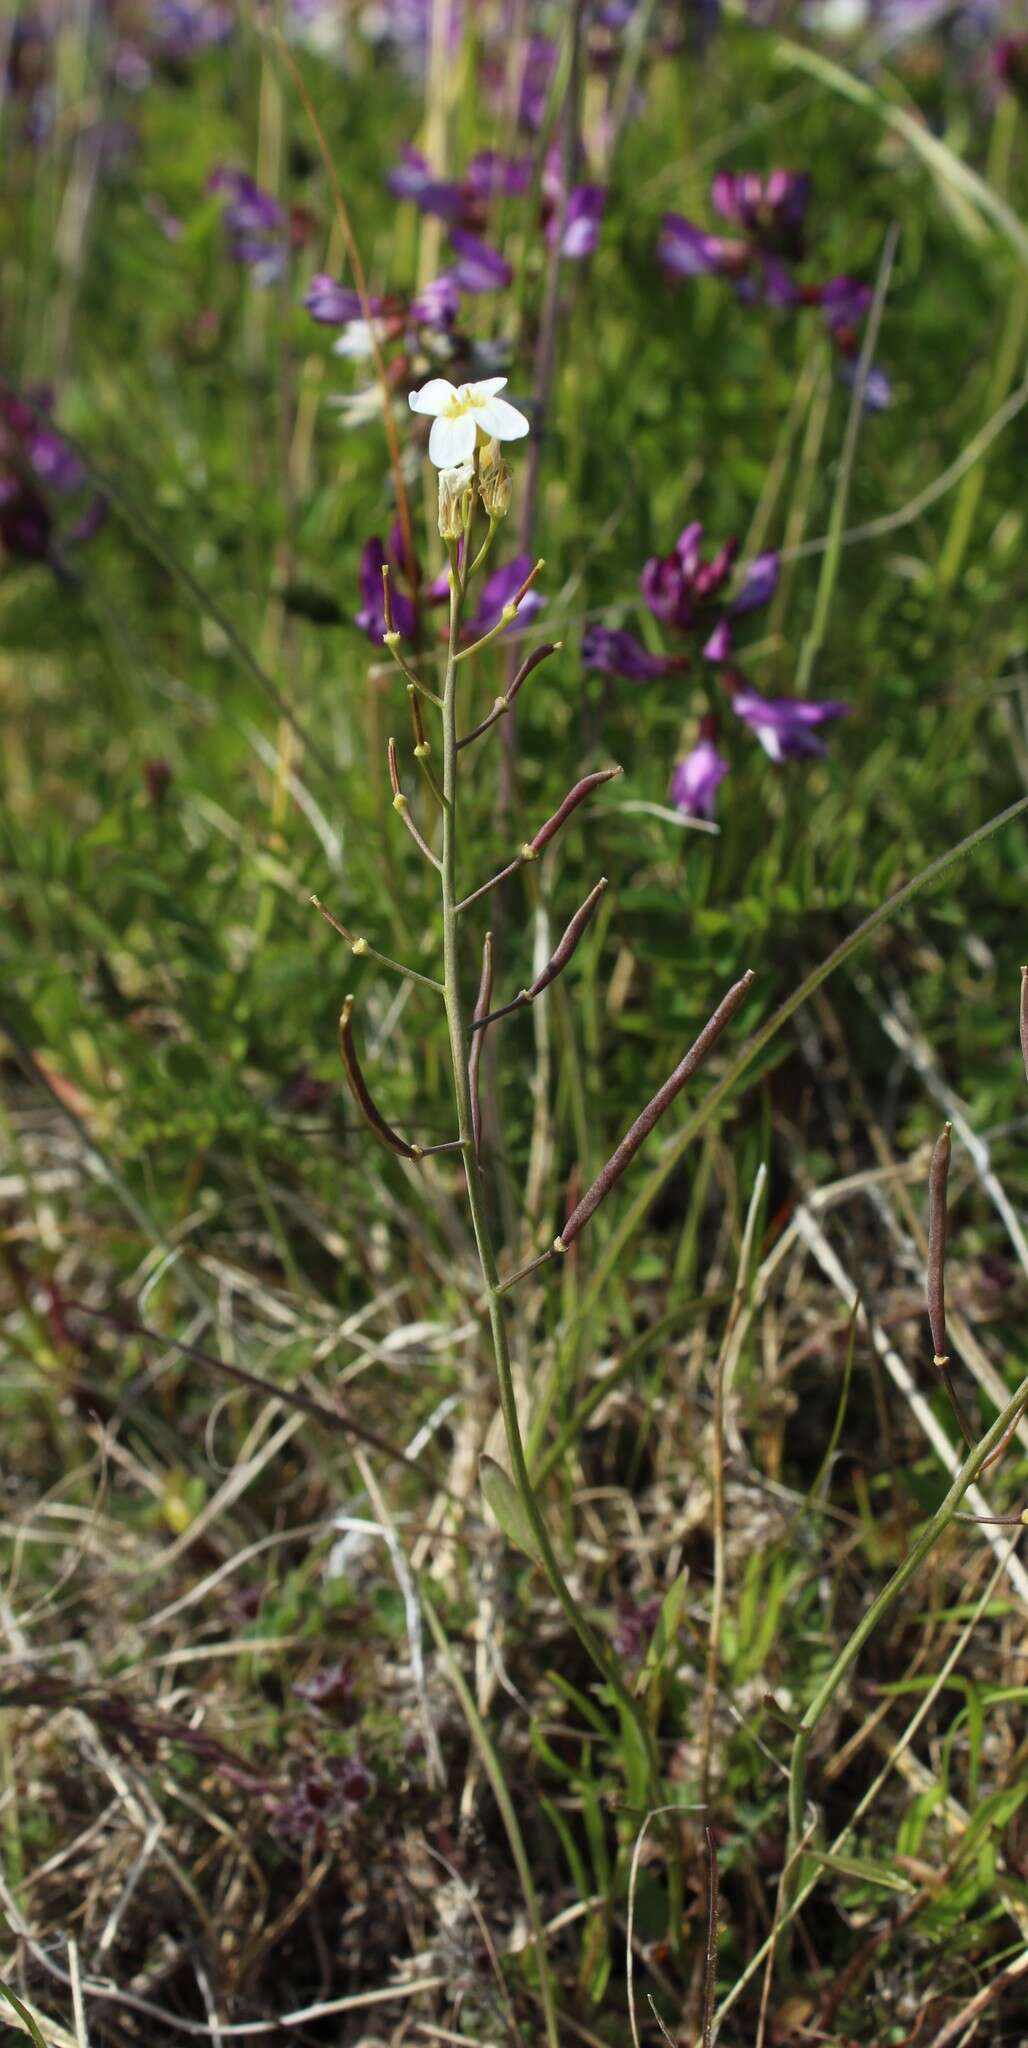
{"x": 475, "y": 489}
{"x": 466, "y": 414}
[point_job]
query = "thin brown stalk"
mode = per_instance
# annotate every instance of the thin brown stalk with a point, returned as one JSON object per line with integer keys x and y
{"x": 651, "y": 1115}
{"x": 401, "y": 806}
{"x": 938, "y": 1176}
{"x": 710, "y": 1957}
{"x": 362, "y": 1094}
{"x": 1024, "y": 1018}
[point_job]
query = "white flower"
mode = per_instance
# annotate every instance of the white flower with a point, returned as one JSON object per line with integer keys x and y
{"x": 358, "y": 339}
{"x": 457, "y": 413}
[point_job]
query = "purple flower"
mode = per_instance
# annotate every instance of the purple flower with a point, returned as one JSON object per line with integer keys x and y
{"x": 492, "y": 175}
{"x": 253, "y": 223}
{"x": 760, "y": 581}
{"x": 696, "y": 780}
{"x": 536, "y": 79}
{"x": 183, "y": 28}
{"x": 581, "y": 222}
{"x": 334, "y": 304}
{"x": 771, "y": 210}
{"x": 414, "y": 180}
{"x": 371, "y": 618}
{"x": 686, "y": 251}
{"x": 437, "y": 304}
{"x": 36, "y": 466}
{"x": 613, "y": 651}
{"x": 676, "y": 586}
{"x": 498, "y": 590}
{"x": 478, "y": 267}
{"x": 844, "y": 303}
{"x": 783, "y": 725}
{"x": 877, "y": 387}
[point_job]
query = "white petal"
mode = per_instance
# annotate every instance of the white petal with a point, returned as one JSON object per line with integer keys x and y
{"x": 487, "y": 387}
{"x": 433, "y": 396}
{"x": 451, "y": 441}
{"x": 503, "y": 421}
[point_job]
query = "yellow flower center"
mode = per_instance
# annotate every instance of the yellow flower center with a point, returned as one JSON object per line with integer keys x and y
{"x": 465, "y": 399}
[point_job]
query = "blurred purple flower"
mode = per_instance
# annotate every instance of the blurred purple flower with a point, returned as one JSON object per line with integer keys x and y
{"x": 334, "y": 304}
{"x": 253, "y": 223}
{"x": 771, "y": 211}
{"x": 877, "y": 388}
{"x": 414, "y": 180}
{"x": 498, "y": 590}
{"x": 183, "y": 28}
{"x": 540, "y": 63}
{"x": 783, "y": 725}
{"x": 492, "y": 175}
{"x": 36, "y": 465}
{"x": 844, "y": 303}
{"x": 371, "y": 618}
{"x": 687, "y": 251}
{"x": 613, "y": 651}
{"x": 684, "y": 591}
{"x": 437, "y": 304}
{"x": 581, "y": 222}
{"x": 697, "y": 778}
{"x": 478, "y": 267}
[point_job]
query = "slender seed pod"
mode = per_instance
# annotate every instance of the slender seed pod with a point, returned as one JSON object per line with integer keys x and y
{"x": 482, "y": 1002}
{"x": 643, "y": 1125}
{"x": 522, "y": 592}
{"x": 938, "y": 1175}
{"x": 361, "y": 1093}
{"x": 387, "y": 599}
{"x": 335, "y": 922}
{"x": 571, "y": 802}
{"x": 531, "y": 662}
{"x": 1024, "y": 1019}
{"x": 562, "y": 953}
{"x": 421, "y": 745}
{"x": 402, "y": 807}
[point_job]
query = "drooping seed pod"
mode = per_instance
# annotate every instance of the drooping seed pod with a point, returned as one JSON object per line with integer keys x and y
{"x": 620, "y": 1159}
{"x": 571, "y": 802}
{"x": 938, "y": 1175}
{"x": 362, "y": 1094}
{"x": 482, "y": 1002}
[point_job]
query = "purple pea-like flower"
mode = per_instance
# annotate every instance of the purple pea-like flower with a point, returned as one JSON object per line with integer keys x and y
{"x": 784, "y": 725}
{"x": 844, "y": 302}
{"x": 614, "y": 651}
{"x": 877, "y": 386}
{"x": 37, "y": 466}
{"x": 498, "y": 590}
{"x": 697, "y": 779}
{"x": 676, "y": 586}
{"x": 540, "y": 63}
{"x": 478, "y": 268}
{"x": 760, "y": 581}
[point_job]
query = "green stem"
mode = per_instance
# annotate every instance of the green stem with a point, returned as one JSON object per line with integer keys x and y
{"x": 596, "y": 1650}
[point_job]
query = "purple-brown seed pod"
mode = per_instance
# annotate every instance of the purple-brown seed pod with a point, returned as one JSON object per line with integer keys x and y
{"x": 562, "y": 954}
{"x": 571, "y": 802}
{"x": 643, "y": 1125}
{"x": 361, "y": 1093}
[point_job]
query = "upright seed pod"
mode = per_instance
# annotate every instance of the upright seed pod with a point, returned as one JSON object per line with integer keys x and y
{"x": 938, "y": 1175}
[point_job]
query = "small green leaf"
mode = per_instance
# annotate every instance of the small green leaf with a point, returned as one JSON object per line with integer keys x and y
{"x": 23, "y": 2014}
{"x": 507, "y": 1507}
{"x": 865, "y": 1873}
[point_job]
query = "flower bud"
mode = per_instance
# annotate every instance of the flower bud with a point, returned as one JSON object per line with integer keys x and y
{"x": 495, "y": 481}
{"x": 456, "y": 491}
